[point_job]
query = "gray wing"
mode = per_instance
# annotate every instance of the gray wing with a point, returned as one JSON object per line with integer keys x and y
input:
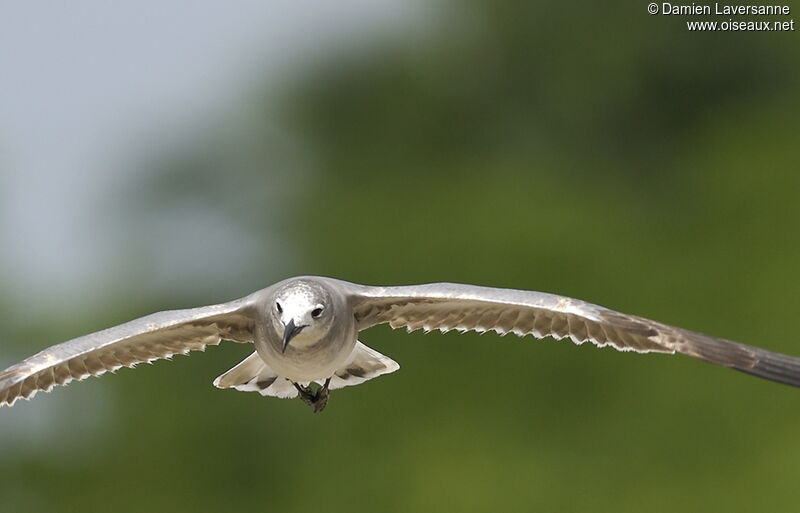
{"x": 156, "y": 336}
{"x": 450, "y": 306}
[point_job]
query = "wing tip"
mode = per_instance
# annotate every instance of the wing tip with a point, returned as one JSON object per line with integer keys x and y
{"x": 776, "y": 367}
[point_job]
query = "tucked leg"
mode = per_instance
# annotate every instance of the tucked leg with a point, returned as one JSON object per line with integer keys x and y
{"x": 318, "y": 399}
{"x": 322, "y": 397}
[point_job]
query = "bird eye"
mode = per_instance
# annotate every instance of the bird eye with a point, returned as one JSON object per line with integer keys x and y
{"x": 316, "y": 312}
{"x": 279, "y": 307}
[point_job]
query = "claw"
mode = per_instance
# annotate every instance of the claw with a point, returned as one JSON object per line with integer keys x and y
{"x": 321, "y": 400}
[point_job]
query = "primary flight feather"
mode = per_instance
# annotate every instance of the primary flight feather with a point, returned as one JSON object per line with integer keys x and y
{"x": 305, "y": 335}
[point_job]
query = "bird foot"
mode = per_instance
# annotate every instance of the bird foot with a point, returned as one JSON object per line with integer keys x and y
{"x": 317, "y": 399}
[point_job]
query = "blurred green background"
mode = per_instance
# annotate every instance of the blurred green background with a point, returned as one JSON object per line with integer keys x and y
{"x": 582, "y": 148}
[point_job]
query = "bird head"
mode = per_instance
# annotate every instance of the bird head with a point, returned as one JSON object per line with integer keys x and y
{"x": 303, "y": 313}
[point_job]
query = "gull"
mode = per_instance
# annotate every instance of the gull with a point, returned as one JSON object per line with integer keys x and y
{"x": 305, "y": 334}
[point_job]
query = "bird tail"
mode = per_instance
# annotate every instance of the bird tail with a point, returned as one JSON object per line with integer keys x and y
{"x": 253, "y": 375}
{"x": 364, "y": 364}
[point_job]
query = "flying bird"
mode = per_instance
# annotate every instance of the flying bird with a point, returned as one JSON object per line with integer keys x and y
{"x": 305, "y": 334}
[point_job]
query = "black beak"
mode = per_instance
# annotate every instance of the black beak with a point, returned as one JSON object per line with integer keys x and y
{"x": 289, "y": 333}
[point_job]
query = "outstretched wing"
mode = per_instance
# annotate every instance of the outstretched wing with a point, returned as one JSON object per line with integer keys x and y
{"x": 149, "y": 338}
{"x": 450, "y": 306}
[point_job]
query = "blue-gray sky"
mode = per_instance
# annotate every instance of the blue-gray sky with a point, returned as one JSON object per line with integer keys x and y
{"x": 86, "y": 85}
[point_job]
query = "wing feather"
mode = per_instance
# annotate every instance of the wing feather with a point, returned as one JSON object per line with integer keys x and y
{"x": 447, "y": 306}
{"x": 154, "y": 337}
